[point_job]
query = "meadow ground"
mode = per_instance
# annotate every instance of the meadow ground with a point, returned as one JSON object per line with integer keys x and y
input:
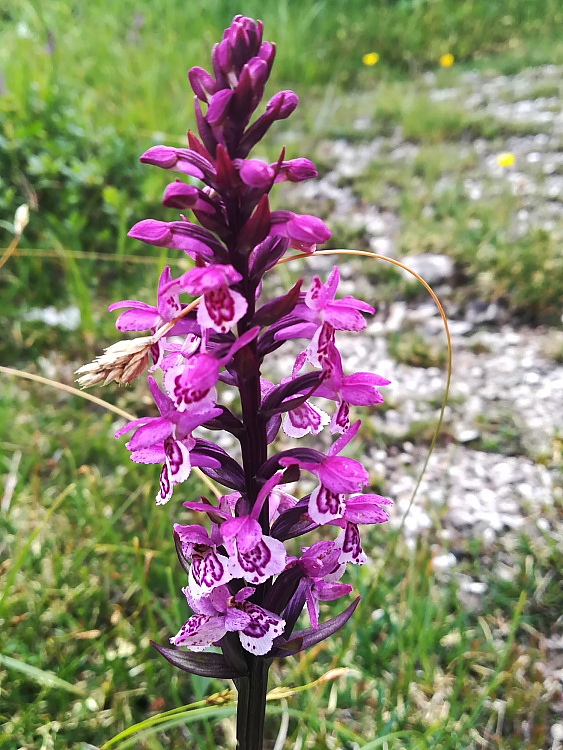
{"x": 408, "y": 153}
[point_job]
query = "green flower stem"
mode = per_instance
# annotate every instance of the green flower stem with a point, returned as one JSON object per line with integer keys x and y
{"x": 251, "y": 708}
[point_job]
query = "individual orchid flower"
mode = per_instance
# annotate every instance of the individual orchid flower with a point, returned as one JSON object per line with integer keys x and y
{"x": 321, "y": 566}
{"x": 143, "y": 317}
{"x": 209, "y": 568}
{"x": 168, "y": 439}
{"x": 191, "y": 379}
{"x": 254, "y": 556}
{"x": 360, "y": 509}
{"x": 358, "y": 389}
{"x": 301, "y": 420}
{"x": 221, "y": 307}
{"x": 338, "y": 475}
{"x": 220, "y": 612}
{"x": 304, "y": 232}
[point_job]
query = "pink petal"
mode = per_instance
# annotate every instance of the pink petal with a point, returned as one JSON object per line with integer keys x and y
{"x": 236, "y": 619}
{"x": 153, "y": 455}
{"x": 157, "y": 430}
{"x": 265, "y": 559}
{"x": 344, "y": 439}
{"x": 246, "y": 530}
{"x": 325, "y": 505}
{"x": 137, "y": 320}
{"x": 350, "y": 544}
{"x": 221, "y": 309}
{"x": 343, "y": 474}
{"x": 327, "y": 592}
{"x": 199, "y": 632}
{"x": 259, "y": 635}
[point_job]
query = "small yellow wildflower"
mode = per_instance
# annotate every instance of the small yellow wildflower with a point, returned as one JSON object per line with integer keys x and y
{"x": 506, "y": 159}
{"x": 372, "y": 58}
{"x": 447, "y": 60}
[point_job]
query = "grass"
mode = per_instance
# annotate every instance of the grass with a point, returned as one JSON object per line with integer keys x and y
{"x": 88, "y": 565}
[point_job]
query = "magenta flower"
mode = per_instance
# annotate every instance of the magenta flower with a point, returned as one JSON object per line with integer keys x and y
{"x": 168, "y": 439}
{"x": 221, "y": 307}
{"x": 301, "y": 420}
{"x": 209, "y": 568}
{"x": 338, "y": 475}
{"x": 322, "y": 568}
{"x": 359, "y": 389}
{"x": 304, "y": 232}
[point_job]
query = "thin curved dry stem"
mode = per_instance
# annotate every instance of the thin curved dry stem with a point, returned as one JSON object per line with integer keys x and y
{"x": 83, "y": 255}
{"x": 10, "y": 250}
{"x": 99, "y": 402}
{"x": 426, "y": 285}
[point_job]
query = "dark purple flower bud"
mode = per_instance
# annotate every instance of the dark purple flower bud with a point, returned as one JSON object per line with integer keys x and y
{"x": 182, "y": 160}
{"x": 202, "y": 83}
{"x": 249, "y": 91}
{"x": 243, "y": 39}
{"x": 297, "y": 170}
{"x": 180, "y": 195}
{"x": 267, "y": 254}
{"x": 279, "y": 107}
{"x": 282, "y": 104}
{"x": 255, "y": 173}
{"x": 180, "y": 235}
{"x": 267, "y": 52}
{"x": 219, "y": 107}
{"x": 303, "y": 230}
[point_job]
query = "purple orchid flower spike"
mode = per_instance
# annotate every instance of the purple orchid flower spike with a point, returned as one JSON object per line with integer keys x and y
{"x": 245, "y": 588}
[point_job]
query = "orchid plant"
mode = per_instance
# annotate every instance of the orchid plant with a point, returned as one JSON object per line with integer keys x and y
{"x": 245, "y": 585}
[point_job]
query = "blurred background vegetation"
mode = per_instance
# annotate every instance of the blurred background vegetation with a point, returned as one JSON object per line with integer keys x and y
{"x": 87, "y": 562}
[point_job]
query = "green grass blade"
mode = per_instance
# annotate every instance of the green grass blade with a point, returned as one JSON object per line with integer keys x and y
{"x": 47, "y": 679}
{"x": 167, "y": 720}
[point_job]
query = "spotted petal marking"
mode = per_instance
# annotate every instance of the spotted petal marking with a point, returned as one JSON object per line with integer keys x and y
{"x": 259, "y": 635}
{"x": 305, "y": 418}
{"x": 256, "y": 565}
{"x": 208, "y": 571}
{"x": 176, "y": 469}
{"x": 178, "y": 459}
{"x": 350, "y": 543}
{"x": 200, "y": 631}
{"x": 166, "y": 486}
{"x": 325, "y": 505}
{"x": 341, "y": 418}
{"x": 221, "y": 309}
